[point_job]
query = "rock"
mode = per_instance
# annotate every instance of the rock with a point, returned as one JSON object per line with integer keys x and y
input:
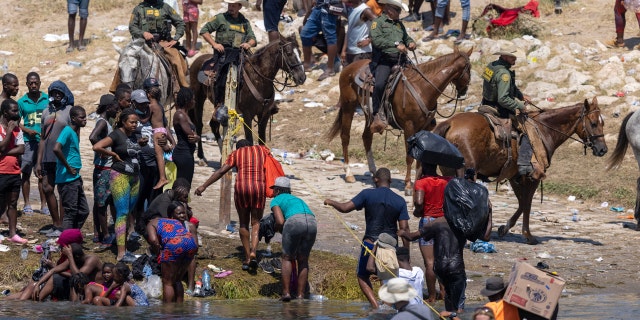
{"x": 607, "y": 100}
{"x": 577, "y": 78}
{"x": 443, "y": 49}
{"x": 540, "y": 87}
{"x": 95, "y": 86}
{"x": 95, "y": 70}
{"x": 553, "y": 76}
{"x": 575, "y": 48}
{"x": 631, "y": 87}
{"x": 631, "y": 56}
{"x": 583, "y": 89}
{"x": 475, "y": 56}
{"x": 600, "y": 46}
{"x": 541, "y": 53}
{"x": 610, "y": 75}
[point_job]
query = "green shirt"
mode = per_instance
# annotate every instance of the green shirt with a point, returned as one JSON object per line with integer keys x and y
{"x": 386, "y": 32}
{"x": 500, "y": 87}
{"x": 151, "y": 18}
{"x": 230, "y": 31}
{"x": 290, "y": 205}
{"x": 31, "y": 114}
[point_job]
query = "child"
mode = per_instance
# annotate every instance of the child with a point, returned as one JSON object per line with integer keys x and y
{"x": 175, "y": 241}
{"x": 88, "y": 291}
{"x": 413, "y": 275}
{"x": 126, "y": 292}
{"x": 190, "y": 15}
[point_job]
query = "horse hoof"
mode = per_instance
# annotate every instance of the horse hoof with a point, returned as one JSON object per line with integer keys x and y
{"x": 531, "y": 240}
{"x": 502, "y": 231}
{"x": 350, "y": 179}
{"x": 202, "y": 162}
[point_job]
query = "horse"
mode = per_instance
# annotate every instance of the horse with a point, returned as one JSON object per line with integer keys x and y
{"x": 629, "y": 134}
{"x": 138, "y": 62}
{"x": 256, "y": 93}
{"x": 430, "y": 78}
{"x": 471, "y": 134}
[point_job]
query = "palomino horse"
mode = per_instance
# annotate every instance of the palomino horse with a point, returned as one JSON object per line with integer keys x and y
{"x": 260, "y": 69}
{"x": 629, "y": 134}
{"x": 138, "y": 62}
{"x": 429, "y": 78}
{"x": 470, "y": 132}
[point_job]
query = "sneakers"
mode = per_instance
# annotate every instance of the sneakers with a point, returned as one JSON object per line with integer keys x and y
{"x": 378, "y": 125}
{"x": 276, "y": 263}
{"x": 266, "y": 266}
{"x": 128, "y": 258}
{"x": 326, "y": 74}
{"x": 17, "y": 239}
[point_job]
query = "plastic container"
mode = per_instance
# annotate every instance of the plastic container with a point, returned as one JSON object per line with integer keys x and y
{"x": 76, "y": 64}
{"x": 206, "y": 280}
{"x": 574, "y": 215}
{"x": 24, "y": 253}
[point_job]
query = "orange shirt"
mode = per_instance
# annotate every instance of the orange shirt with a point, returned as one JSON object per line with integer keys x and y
{"x": 503, "y": 310}
{"x": 375, "y": 7}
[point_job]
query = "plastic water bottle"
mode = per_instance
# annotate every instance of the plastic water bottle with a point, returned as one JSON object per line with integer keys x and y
{"x": 574, "y": 216}
{"x": 197, "y": 291}
{"x": 76, "y": 64}
{"x": 206, "y": 280}
{"x": 24, "y": 253}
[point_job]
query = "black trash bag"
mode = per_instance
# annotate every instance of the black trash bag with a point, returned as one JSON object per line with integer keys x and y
{"x": 466, "y": 207}
{"x": 137, "y": 267}
{"x": 428, "y": 147}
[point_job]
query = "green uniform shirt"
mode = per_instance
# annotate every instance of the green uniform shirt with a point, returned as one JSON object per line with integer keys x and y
{"x": 500, "y": 87}
{"x": 147, "y": 17}
{"x": 386, "y": 32}
{"x": 230, "y": 32}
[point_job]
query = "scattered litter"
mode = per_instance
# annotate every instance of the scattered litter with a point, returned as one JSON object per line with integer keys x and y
{"x": 313, "y": 104}
{"x": 6, "y": 53}
{"x": 122, "y": 27}
{"x": 604, "y": 204}
{"x": 4, "y": 248}
{"x": 542, "y": 265}
{"x": 119, "y": 39}
{"x": 571, "y": 198}
{"x": 629, "y": 216}
{"x": 620, "y": 94}
{"x": 599, "y": 259}
{"x": 352, "y": 226}
{"x": 544, "y": 255}
{"x": 617, "y": 209}
{"x": 55, "y": 37}
{"x": 356, "y": 165}
{"x": 480, "y": 246}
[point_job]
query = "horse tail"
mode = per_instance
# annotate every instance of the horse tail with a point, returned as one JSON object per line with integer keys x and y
{"x": 336, "y": 128}
{"x": 442, "y": 128}
{"x": 621, "y": 146}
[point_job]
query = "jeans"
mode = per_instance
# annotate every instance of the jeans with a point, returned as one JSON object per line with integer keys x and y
{"x": 319, "y": 20}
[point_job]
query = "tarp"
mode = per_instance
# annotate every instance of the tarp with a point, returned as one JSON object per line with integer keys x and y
{"x": 428, "y": 147}
{"x": 508, "y": 16}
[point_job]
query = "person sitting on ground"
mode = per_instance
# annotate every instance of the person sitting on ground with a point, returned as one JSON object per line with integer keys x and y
{"x": 57, "y": 280}
{"x": 398, "y": 293}
{"x": 87, "y": 290}
{"x": 122, "y": 292}
{"x": 175, "y": 241}
{"x": 233, "y": 34}
{"x": 298, "y": 227}
{"x": 11, "y": 147}
{"x": 414, "y": 275}
{"x": 390, "y": 42}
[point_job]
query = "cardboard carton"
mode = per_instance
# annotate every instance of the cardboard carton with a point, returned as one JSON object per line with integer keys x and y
{"x": 533, "y": 290}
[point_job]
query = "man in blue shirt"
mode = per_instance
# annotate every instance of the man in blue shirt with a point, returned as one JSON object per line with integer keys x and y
{"x": 30, "y": 107}
{"x": 68, "y": 179}
{"x": 384, "y": 212}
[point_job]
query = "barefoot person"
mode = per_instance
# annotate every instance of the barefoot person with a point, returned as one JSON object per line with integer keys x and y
{"x": 299, "y": 228}
{"x": 175, "y": 241}
{"x": 384, "y": 212}
{"x": 249, "y": 194}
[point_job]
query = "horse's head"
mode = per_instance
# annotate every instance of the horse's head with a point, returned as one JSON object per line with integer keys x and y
{"x": 292, "y": 63}
{"x": 128, "y": 63}
{"x": 590, "y": 128}
{"x": 462, "y": 81}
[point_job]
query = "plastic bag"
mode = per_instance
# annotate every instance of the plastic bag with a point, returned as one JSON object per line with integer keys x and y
{"x": 152, "y": 286}
{"x": 466, "y": 207}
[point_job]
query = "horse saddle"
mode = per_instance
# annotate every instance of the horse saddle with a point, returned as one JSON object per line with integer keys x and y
{"x": 501, "y": 127}
{"x": 211, "y": 68}
{"x": 365, "y": 81}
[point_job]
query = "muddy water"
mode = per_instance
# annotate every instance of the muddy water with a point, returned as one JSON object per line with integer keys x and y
{"x": 610, "y": 306}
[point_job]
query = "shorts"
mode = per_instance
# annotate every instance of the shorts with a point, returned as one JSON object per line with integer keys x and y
{"x": 190, "y": 12}
{"x": 101, "y": 190}
{"x": 61, "y": 288}
{"x": 320, "y": 20}
{"x": 271, "y": 11}
{"x": 362, "y": 271}
{"x": 74, "y": 5}
{"x": 29, "y": 158}
{"x": 49, "y": 170}
{"x": 299, "y": 235}
{"x": 423, "y": 222}
{"x": 9, "y": 183}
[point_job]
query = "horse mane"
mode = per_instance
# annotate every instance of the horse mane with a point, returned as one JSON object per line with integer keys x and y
{"x": 436, "y": 64}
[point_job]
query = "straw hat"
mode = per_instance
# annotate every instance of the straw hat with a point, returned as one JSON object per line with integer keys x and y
{"x": 244, "y": 3}
{"x": 396, "y": 3}
{"x": 507, "y": 50}
{"x": 397, "y": 289}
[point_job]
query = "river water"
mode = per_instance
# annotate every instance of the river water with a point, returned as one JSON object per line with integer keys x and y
{"x": 608, "y": 306}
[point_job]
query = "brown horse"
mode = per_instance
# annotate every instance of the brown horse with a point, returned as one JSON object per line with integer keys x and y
{"x": 470, "y": 132}
{"x": 430, "y": 80}
{"x": 260, "y": 69}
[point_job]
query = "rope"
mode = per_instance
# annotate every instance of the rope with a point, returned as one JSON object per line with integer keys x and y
{"x": 234, "y": 114}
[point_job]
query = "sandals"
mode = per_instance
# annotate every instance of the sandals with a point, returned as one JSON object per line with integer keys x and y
{"x": 27, "y": 210}
{"x": 70, "y": 49}
{"x": 223, "y": 274}
{"x": 326, "y": 74}
{"x": 614, "y": 44}
{"x": 82, "y": 48}
{"x": 429, "y": 38}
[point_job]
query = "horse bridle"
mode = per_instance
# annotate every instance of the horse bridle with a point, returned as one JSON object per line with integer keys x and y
{"x": 287, "y": 74}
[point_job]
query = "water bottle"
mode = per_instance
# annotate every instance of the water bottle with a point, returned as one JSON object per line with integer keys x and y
{"x": 24, "y": 253}
{"x": 206, "y": 280}
{"x": 197, "y": 291}
{"x": 574, "y": 216}
{"x": 76, "y": 64}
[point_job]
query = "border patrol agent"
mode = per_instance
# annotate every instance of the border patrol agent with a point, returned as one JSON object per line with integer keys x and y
{"x": 500, "y": 91}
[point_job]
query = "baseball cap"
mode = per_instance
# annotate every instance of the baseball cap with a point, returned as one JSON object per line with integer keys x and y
{"x": 139, "y": 96}
{"x": 150, "y": 82}
{"x": 107, "y": 100}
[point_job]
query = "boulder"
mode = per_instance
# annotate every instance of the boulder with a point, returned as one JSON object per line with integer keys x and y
{"x": 577, "y": 78}
{"x": 95, "y": 86}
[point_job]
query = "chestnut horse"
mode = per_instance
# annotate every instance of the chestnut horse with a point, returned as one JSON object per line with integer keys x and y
{"x": 260, "y": 69}
{"x": 629, "y": 134}
{"x": 470, "y": 132}
{"x": 430, "y": 80}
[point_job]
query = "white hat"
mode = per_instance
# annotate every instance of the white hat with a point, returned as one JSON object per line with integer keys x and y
{"x": 244, "y": 3}
{"x": 507, "y": 50}
{"x": 397, "y": 289}
{"x": 282, "y": 182}
{"x": 396, "y": 3}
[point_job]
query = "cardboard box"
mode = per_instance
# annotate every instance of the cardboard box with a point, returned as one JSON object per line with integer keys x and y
{"x": 533, "y": 290}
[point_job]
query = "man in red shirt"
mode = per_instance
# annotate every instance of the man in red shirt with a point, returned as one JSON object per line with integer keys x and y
{"x": 11, "y": 147}
{"x": 428, "y": 199}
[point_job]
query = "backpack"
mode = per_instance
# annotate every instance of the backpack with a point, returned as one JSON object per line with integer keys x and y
{"x": 272, "y": 170}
